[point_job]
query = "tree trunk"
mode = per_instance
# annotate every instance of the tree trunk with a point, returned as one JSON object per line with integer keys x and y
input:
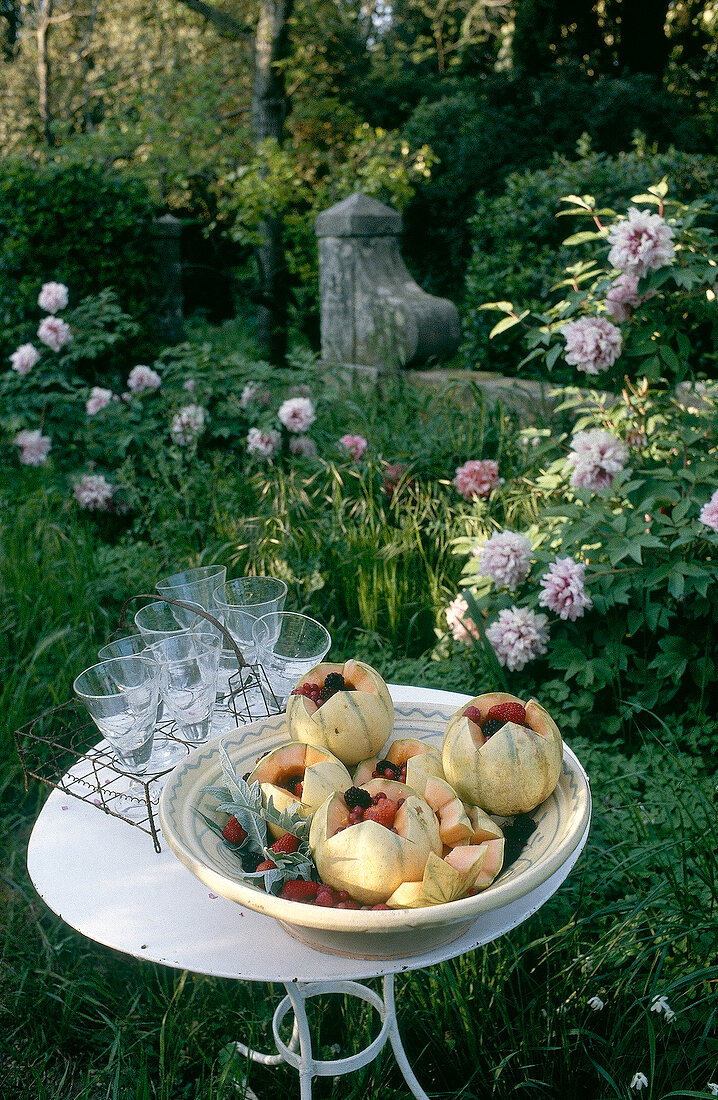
{"x": 644, "y": 47}
{"x": 44, "y": 22}
{"x": 269, "y": 110}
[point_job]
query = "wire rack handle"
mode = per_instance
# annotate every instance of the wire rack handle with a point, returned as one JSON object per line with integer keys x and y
{"x": 188, "y": 607}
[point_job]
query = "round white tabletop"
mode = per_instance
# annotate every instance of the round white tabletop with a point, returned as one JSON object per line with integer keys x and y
{"x": 103, "y": 877}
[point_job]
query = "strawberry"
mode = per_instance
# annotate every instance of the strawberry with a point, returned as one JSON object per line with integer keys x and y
{"x": 285, "y": 845}
{"x": 473, "y": 714}
{"x": 383, "y": 812}
{"x": 266, "y": 865}
{"x": 299, "y": 889}
{"x": 233, "y": 831}
{"x": 508, "y": 712}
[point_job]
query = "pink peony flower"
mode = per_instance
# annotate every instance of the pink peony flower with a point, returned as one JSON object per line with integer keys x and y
{"x": 302, "y": 445}
{"x": 53, "y": 297}
{"x": 24, "y": 358}
{"x": 263, "y": 444}
{"x": 190, "y": 385}
{"x": 297, "y": 414}
{"x": 255, "y": 394}
{"x": 623, "y": 296}
{"x": 142, "y": 378}
{"x": 506, "y": 558}
{"x": 518, "y": 636}
{"x": 596, "y": 457}
{"x": 709, "y": 512}
{"x": 188, "y": 424}
{"x": 98, "y": 399}
{"x": 641, "y": 243}
{"x": 54, "y": 333}
{"x": 564, "y": 589}
{"x": 354, "y": 445}
{"x": 94, "y": 492}
{"x": 593, "y": 344}
{"x": 394, "y": 474}
{"x": 476, "y": 478}
{"x": 34, "y": 447}
{"x": 462, "y": 627}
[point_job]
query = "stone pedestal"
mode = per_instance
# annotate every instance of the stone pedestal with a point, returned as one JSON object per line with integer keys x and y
{"x": 372, "y": 312}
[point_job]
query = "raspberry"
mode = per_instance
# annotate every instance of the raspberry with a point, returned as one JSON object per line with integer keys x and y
{"x": 233, "y": 831}
{"x": 350, "y": 903}
{"x": 355, "y": 796}
{"x": 285, "y": 845}
{"x": 266, "y": 865}
{"x": 325, "y": 897}
{"x": 473, "y": 714}
{"x": 508, "y": 712}
{"x": 299, "y": 889}
{"x": 383, "y": 812}
{"x": 492, "y": 726}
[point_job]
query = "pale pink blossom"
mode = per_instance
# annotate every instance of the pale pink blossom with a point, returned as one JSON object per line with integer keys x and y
{"x": 188, "y": 424}
{"x": 461, "y": 625}
{"x": 189, "y": 384}
{"x": 518, "y": 636}
{"x": 623, "y": 296}
{"x": 593, "y": 344}
{"x": 506, "y": 558}
{"x": 94, "y": 492}
{"x": 642, "y": 242}
{"x": 34, "y": 447}
{"x": 709, "y": 512}
{"x": 254, "y": 393}
{"x": 99, "y": 399}
{"x": 476, "y": 478}
{"x": 24, "y": 358}
{"x": 54, "y": 333}
{"x": 394, "y": 474}
{"x": 596, "y": 457}
{"x": 142, "y": 378}
{"x": 53, "y": 297}
{"x": 564, "y": 590}
{"x": 354, "y": 445}
{"x": 302, "y": 445}
{"x": 297, "y": 414}
{"x": 263, "y": 444}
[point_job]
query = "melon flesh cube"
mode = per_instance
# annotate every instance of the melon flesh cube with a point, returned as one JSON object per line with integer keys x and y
{"x": 454, "y": 825}
{"x": 492, "y": 864}
{"x": 467, "y": 857}
{"x": 407, "y": 896}
{"x": 438, "y": 793}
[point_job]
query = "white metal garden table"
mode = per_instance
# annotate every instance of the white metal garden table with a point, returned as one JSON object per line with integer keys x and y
{"x": 103, "y": 877}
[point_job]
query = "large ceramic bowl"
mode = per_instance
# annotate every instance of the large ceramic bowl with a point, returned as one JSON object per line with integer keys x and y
{"x": 561, "y": 823}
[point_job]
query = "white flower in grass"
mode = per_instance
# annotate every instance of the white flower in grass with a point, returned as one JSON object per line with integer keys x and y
{"x": 34, "y": 447}
{"x": 189, "y": 384}
{"x": 24, "y": 358}
{"x": 54, "y": 333}
{"x": 353, "y": 445}
{"x": 142, "y": 378}
{"x": 302, "y": 445}
{"x": 94, "y": 492}
{"x": 297, "y": 414}
{"x": 709, "y": 512}
{"x": 712, "y": 1088}
{"x": 661, "y": 1006}
{"x": 518, "y": 636}
{"x": 263, "y": 444}
{"x": 476, "y": 478}
{"x": 639, "y": 1081}
{"x": 188, "y": 423}
{"x": 506, "y": 558}
{"x": 596, "y": 1004}
{"x": 254, "y": 393}
{"x": 53, "y": 297}
{"x": 99, "y": 399}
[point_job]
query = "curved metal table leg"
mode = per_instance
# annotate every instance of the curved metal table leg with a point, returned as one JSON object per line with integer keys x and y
{"x": 299, "y": 1052}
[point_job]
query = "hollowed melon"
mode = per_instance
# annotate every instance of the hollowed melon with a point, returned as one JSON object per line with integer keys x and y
{"x": 318, "y": 770}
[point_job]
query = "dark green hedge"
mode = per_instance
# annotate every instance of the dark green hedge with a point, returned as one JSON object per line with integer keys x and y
{"x": 74, "y": 224}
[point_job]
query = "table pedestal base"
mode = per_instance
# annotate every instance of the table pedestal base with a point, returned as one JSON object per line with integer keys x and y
{"x": 298, "y": 1052}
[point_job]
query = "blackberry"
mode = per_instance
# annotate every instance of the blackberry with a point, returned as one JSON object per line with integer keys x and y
{"x": 383, "y": 766}
{"x": 492, "y": 726}
{"x": 516, "y": 833}
{"x": 324, "y": 693}
{"x": 250, "y": 861}
{"x": 356, "y": 796}
{"x": 334, "y": 681}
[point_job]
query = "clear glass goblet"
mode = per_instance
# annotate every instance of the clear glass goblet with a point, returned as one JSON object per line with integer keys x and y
{"x": 121, "y": 695}
{"x": 288, "y": 646}
{"x": 189, "y": 665}
{"x": 239, "y": 603}
{"x": 192, "y": 586}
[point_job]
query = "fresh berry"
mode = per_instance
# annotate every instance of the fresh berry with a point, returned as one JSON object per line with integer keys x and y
{"x": 381, "y": 905}
{"x": 350, "y": 903}
{"x": 325, "y": 897}
{"x": 294, "y": 784}
{"x": 508, "y": 712}
{"x": 334, "y": 681}
{"x": 299, "y": 889}
{"x": 386, "y": 770}
{"x": 310, "y": 690}
{"x": 356, "y": 796}
{"x": 250, "y": 862}
{"x": 285, "y": 845}
{"x": 473, "y": 714}
{"x": 383, "y": 812}
{"x": 492, "y": 726}
{"x": 517, "y": 833}
{"x": 233, "y": 831}
{"x": 266, "y": 865}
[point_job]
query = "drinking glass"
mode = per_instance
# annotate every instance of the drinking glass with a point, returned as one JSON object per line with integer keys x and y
{"x": 188, "y": 681}
{"x": 193, "y": 586}
{"x": 124, "y": 647}
{"x": 159, "y": 620}
{"x": 239, "y": 603}
{"x": 121, "y": 695}
{"x": 288, "y": 645}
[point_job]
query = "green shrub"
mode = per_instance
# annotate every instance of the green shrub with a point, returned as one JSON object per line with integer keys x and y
{"x": 517, "y": 236}
{"x": 76, "y": 224}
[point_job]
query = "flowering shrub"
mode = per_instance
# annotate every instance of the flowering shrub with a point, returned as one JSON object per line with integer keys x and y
{"x": 656, "y": 281}
{"x": 476, "y": 478}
